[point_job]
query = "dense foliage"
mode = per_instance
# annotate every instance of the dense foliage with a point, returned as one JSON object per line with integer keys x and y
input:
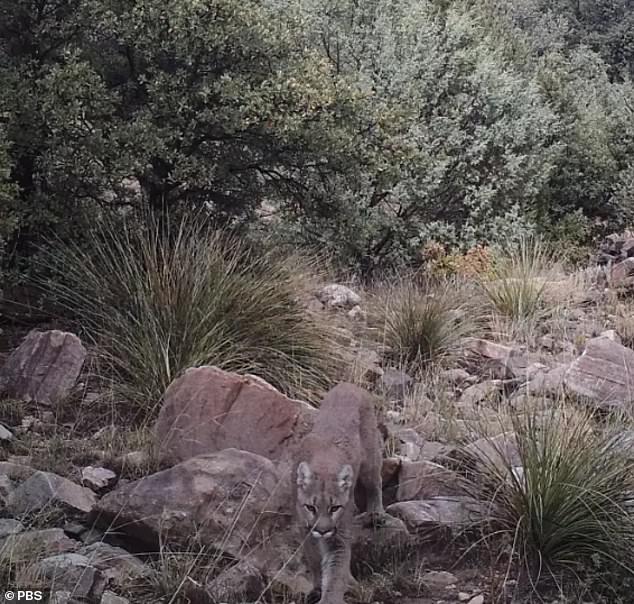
{"x": 370, "y": 128}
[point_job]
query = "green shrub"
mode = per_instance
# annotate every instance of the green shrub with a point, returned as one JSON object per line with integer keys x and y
{"x": 156, "y": 301}
{"x": 569, "y": 509}
{"x": 422, "y": 324}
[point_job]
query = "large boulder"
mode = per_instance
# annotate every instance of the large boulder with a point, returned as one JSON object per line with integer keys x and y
{"x": 603, "y": 374}
{"x": 225, "y": 499}
{"x": 44, "y": 368}
{"x": 208, "y": 410}
{"x": 232, "y": 501}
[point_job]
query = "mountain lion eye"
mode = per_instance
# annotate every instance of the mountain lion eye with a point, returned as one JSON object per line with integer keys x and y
{"x": 334, "y": 508}
{"x": 311, "y": 508}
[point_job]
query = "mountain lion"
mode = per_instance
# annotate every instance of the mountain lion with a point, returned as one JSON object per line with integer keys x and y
{"x": 337, "y": 464}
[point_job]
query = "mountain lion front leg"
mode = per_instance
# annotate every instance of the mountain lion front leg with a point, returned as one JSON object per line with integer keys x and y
{"x": 312, "y": 556}
{"x": 335, "y": 570}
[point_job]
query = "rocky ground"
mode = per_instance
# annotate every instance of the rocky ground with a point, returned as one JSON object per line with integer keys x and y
{"x": 193, "y": 508}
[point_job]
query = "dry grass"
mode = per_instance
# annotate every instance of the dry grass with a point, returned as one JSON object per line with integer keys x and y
{"x": 424, "y": 324}
{"x": 158, "y": 301}
{"x": 570, "y": 510}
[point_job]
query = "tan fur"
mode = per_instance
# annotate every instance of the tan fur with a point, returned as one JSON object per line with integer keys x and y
{"x": 338, "y": 462}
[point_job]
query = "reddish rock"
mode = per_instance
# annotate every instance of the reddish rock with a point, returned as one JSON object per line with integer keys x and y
{"x": 208, "y": 409}
{"x": 44, "y": 368}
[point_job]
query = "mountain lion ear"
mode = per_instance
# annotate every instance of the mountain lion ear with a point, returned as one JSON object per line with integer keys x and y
{"x": 304, "y": 475}
{"x": 344, "y": 478}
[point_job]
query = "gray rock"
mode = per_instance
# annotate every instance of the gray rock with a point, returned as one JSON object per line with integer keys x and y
{"x": 9, "y": 526}
{"x": 29, "y": 545}
{"x": 458, "y": 377}
{"x": 444, "y": 514}
{"x": 5, "y": 434}
{"x": 410, "y": 443}
{"x": 97, "y": 478}
{"x": 110, "y": 597}
{"x": 485, "y": 391}
{"x": 240, "y": 583}
{"x": 395, "y": 383}
{"x": 72, "y": 573}
{"x": 15, "y": 471}
{"x": 338, "y": 296}
{"x": 425, "y": 479}
{"x": 622, "y": 274}
{"x": 6, "y": 488}
{"x": 603, "y": 374}
{"x": 438, "y": 579}
{"x": 44, "y": 489}
{"x": 44, "y": 368}
{"x": 117, "y": 565}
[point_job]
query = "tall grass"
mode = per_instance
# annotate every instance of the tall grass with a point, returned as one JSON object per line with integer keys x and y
{"x": 158, "y": 300}
{"x": 570, "y": 508}
{"x": 514, "y": 285}
{"x": 422, "y": 324}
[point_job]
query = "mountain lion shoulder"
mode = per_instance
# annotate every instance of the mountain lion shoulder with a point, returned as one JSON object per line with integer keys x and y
{"x": 337, "y": 464}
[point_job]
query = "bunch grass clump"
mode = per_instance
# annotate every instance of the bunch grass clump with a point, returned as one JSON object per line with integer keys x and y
{"x": 424, "y": 323}
{"x": 569, "y": 508}
{"x": 156, "y": 300}
{"x": 514, "y": 284}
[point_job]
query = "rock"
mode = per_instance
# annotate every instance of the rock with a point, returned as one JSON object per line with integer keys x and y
{"x": 208, "y": 410}
{"x": 439, "y": 514}
{"x": 622, "y": 274}
{"x": 15, "y": 471}
{"x": 434, "y": 451}
{"x": 390, "y": 534}
{"x": 410, "y": 443}
{"x": 477, "y": 600}
{"x": 338, "y": 296}
{"x": 424, "y": 480}
{"x": 5, "y": 434}
{"x": 110, "y": 597}
{"x": 368, "y": 364}
{"x": 496, "y": 359}
{"x": 241, "y": 582}
{"x": 44, "y": 368}
{"x": 61, "y": 597}
{"x": 222, "y": 498}
{"x": 549, "y": 383}
{"x": 9, "y": 526}
{"x": 70, "y": 572}
{"x": 458, "y": 377}
{"x": 438, "y": 579}
{"x": 6, "y": 488}
{"x": 604, "y": 374}
{"x": 611, "y": 334}
{"x": 478, "y": 393}
{"x": 118, "y": 566}
{"x": 98, "y": 478}
{"x": 500, "y": 451}
{"x": 395, "y": 383}
{"x": 44, "y": 489}
{"x": 29, "y": 545}
{"x": 356, "y": 313}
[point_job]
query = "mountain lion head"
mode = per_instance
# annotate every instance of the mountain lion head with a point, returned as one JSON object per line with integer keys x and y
{"x": 322, "y": 498}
